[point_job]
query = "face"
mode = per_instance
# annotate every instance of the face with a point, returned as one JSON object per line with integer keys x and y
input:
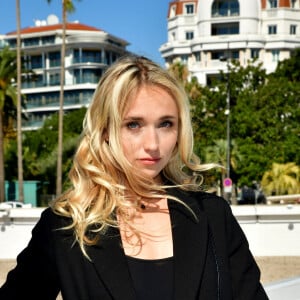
{"x": 149, "y": 130}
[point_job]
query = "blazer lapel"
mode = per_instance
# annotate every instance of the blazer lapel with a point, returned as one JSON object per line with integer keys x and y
{"x": 190, "y": 238}
{"x": 110, "y": 263}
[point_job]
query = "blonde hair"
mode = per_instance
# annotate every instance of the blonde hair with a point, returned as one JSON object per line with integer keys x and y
{"x": 101, "y": 175}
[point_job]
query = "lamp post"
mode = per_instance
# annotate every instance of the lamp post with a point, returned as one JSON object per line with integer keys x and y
{"x": 228, "y": 189}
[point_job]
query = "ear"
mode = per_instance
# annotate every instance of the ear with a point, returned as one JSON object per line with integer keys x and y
{"x": 106, "y": 137}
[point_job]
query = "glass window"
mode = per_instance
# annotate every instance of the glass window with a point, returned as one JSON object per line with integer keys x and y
{"x": 36, "y": 61}
{"x": 189, "y": 35}
{"x": 217, "y": 55}
{"x": 273, "y": 3}
{"x": 91, "y": 56}
{"x": 76, "y": 56}
{"x": 189, "y": 9}
{"x": 254, "y": 53}
{"x": 12, "y": 43}
{"x": 55, "y": 79}
{"x": 275, "y": 55}
{"x": 224, "y": 8}
{"x": 272, "y": 29}
{"x": 184, "y": 58}
{"x": 173, "y": 11}
{"x": 293, "y": 29}
{"x": 54, "y": 58}
{"x": 197, "y": 56}
{"x": 46, "y": 40}
{"x": 294, "y": 3}
{"x": 235, "y": 54}
{"x": 31, "y": 42}
{"x": 225, "y": 28}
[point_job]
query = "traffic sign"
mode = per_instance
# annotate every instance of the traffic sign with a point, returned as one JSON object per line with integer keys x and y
{"x": 227, "y": 182}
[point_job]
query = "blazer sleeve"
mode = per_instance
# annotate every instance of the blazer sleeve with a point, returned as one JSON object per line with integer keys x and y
{"x": 233, "y": 250}
{"x": 245, "y": 274}
{"x": 35, "y": 275}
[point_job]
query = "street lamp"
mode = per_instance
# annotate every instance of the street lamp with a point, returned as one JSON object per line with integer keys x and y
{"x": 227, "y": 113}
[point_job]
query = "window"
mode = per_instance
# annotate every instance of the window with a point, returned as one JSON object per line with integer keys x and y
{"x": 184, "y": 59}
{"x": 225, "y": 8}
{"x": 91, "y": 56}
{"x": 294, "y": 4}
{"x": 54, "y": 58}
{"x": 173, "y": 11}
{"x": 36, "y": 62}
{"x": 12, "y": 43}
{"x": 293, "y": 29}
{"x": 217, "y": 55}
{"x": 189, "y": 35}
{"x": 173, "y": 36}
{"x": 31, "y": 42}
{"x": 254, "y": 53}
{"x": 55, "y": 79}
{"x": 272, "y": 29}
{"x": 47, "y": 40}
{"x": 197, "y": 56}
{"x": 235, "y": 54}
{"x": 275, "y": 55}
{"x": 273, "y": 3}
{"x": 189, "y": 9}
{"x": 225, "y": 28}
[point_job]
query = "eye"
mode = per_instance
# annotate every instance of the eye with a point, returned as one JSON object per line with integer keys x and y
{"x": 166, "y": 124}
{"x": 133, "y": 125}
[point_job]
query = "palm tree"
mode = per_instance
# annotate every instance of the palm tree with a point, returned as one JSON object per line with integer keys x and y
{"x": 67, "y": 7}
{"x": 8, "y": 100}
{"x": 282, "y": 179}
{"x": 217, "y": 153}
{"x": 19, "y": 105}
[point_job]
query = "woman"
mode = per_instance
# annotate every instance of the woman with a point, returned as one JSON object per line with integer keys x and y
{"x": 135, "y": 225}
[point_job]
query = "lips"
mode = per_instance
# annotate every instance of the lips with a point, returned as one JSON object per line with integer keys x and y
{"x": 149, "y": 161}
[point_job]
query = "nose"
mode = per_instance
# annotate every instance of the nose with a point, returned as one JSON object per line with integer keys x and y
{"x": 151, "y": 140}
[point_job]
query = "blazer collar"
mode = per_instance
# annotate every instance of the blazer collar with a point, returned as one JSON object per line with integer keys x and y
{"x": 190, "y": 237}
{"x": 111, "y": 265}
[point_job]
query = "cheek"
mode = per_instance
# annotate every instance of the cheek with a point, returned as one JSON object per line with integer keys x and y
{"x": 128, "y": 145}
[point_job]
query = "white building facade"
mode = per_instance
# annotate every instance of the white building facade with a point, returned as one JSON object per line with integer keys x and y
{"x": 88, "y": 53}
{"x": 202, "y": 32}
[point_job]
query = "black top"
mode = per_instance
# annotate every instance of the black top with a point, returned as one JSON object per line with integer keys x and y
{"x": 152, "y": 279}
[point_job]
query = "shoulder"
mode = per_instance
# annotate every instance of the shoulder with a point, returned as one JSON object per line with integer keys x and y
{"x": 211, "y": 205}
{"x": 51, "y": 221}
{"x": 204, "y": 199}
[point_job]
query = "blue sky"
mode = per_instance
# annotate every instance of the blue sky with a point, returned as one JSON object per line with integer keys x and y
{"x": 143, "y": 23}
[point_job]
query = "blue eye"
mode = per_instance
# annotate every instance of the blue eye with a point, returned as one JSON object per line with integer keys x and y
{"x": 166, "y": 124}
{"x": 133, "y": 125}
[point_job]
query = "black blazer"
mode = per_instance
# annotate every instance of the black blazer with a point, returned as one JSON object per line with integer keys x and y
{"x": 211, "y": 259}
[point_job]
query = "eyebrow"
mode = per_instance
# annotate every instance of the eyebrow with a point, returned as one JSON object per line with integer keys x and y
{"x": 133, "y": 118}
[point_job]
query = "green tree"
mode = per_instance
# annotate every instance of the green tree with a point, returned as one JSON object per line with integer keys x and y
{"x": 8, "y": 102}
{"x": 289, "y": 68}
{"x": 40, "y": 150}
{"x": 282, "y": 179}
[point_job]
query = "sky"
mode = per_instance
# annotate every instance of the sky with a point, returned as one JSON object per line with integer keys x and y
{"x": 142, "y": 23}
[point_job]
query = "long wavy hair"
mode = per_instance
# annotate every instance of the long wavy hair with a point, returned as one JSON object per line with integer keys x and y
{"x": 101, "y": 176}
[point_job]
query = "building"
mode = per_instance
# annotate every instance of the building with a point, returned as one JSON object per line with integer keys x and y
{"x": 88, "y": 53}
{"x": 202, "y": 33}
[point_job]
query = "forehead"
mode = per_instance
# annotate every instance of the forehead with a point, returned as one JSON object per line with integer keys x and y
{"x": 150, "y": 97}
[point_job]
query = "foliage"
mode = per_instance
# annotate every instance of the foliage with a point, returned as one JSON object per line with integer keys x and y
{"x": 264, "y": 115}
{"x": 282, "y": 179}
{"x": 40, "y": 150}
{"x": 8, "y": 102}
